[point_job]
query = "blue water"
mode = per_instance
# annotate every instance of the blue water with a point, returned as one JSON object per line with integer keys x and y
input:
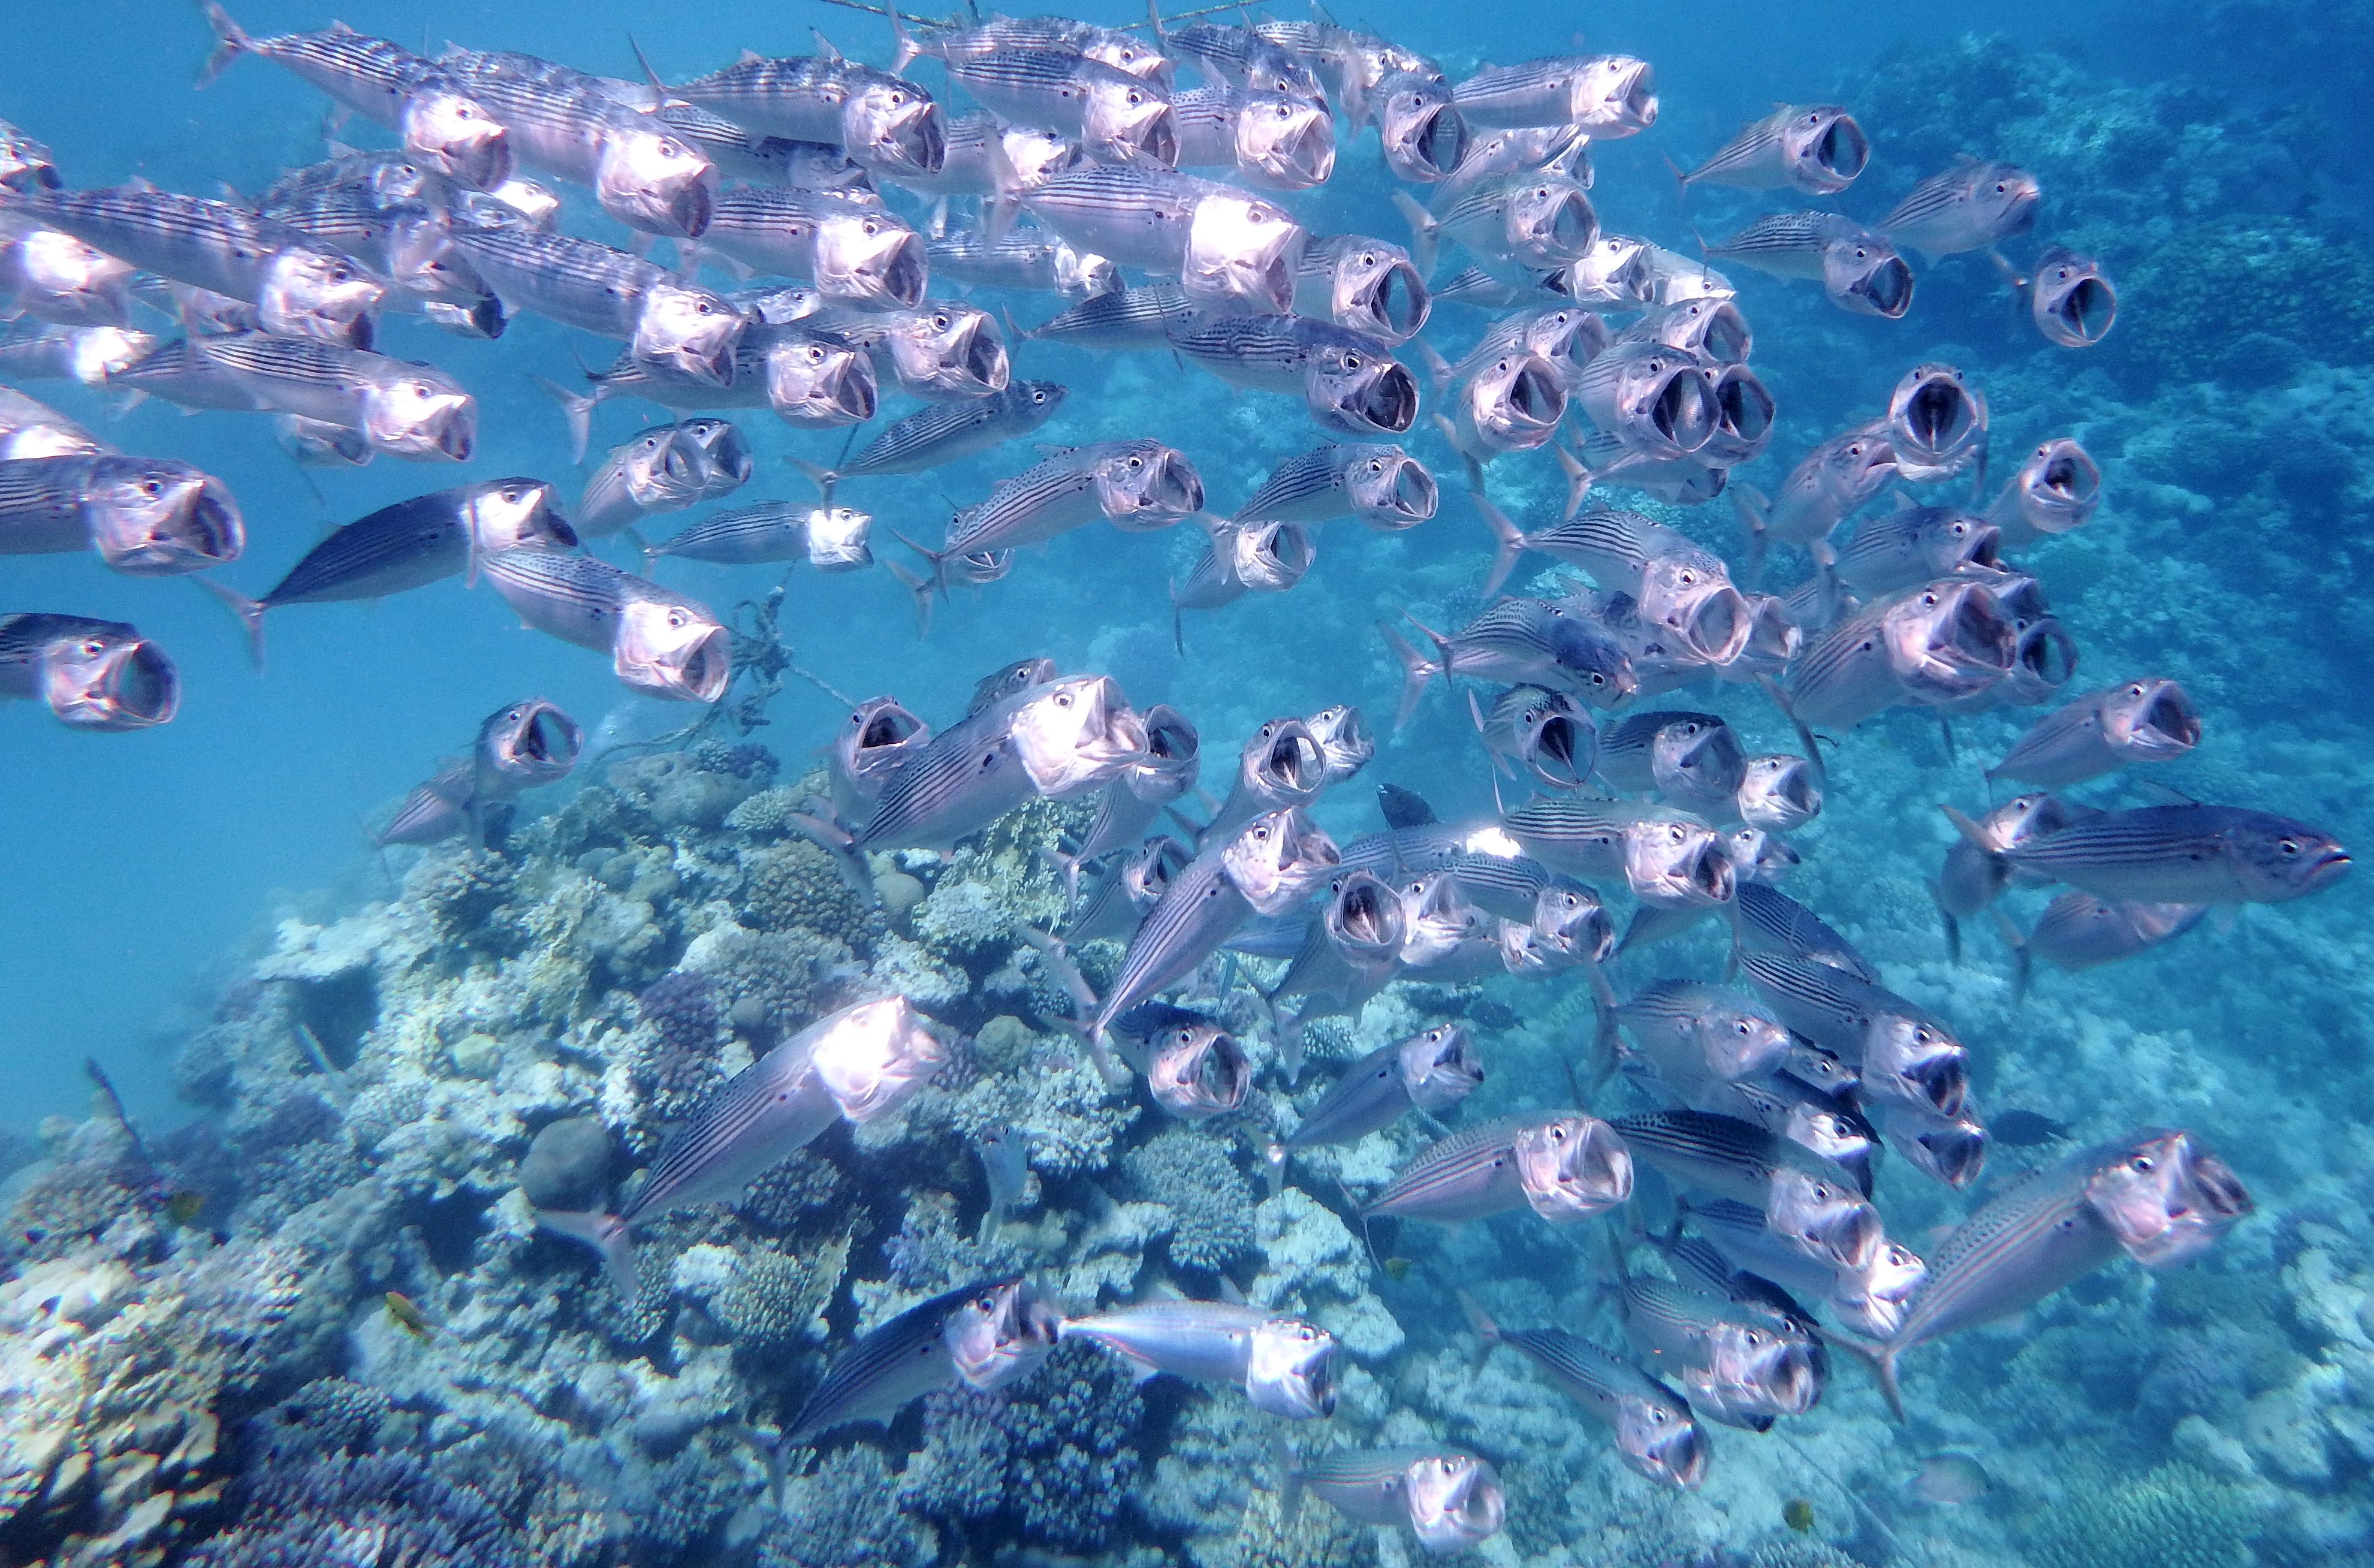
{"x": 148, "y": 873}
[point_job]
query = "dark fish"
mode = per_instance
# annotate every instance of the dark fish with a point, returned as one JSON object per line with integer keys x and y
{"x": 2025, "y": 1129}
{"x": 1655, "y": 1434}
{"x": 1431, "y": 1071}
{"x": 1403, "y": 808}
{"x": 985, "y": 1336}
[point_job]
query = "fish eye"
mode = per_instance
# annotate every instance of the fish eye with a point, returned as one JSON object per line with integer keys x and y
{"x": 151, "y": 488}
{"x": 2289, "y": 846}
{"x": 2142, "y": 1165}
{"x": 1037, "y": 397}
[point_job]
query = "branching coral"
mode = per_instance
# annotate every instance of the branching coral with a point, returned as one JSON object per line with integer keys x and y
{"x": 1211, "y": 1203}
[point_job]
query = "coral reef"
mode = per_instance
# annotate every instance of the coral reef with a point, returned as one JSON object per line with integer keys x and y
{"x": 1210, "y": 1205}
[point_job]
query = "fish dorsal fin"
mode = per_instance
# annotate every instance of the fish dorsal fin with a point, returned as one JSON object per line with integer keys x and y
{"x": 140, "y": 184}
{"x": 749, "y": 57}
{"x": 343, "y": 30}
{"x": 1231, "y": 1293}
{"x": 1047, "y": 449}
{"x": 824, "y": 51}
{"x": 2160, "y": 794}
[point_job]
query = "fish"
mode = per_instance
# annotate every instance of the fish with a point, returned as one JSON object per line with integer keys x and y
{"x": 2154, "y": 1193}
{"x": 854, "y": 251}
{"x": 1866, "y": 1300}
{"x": 1534, "y": 222}
{"x": 1798, "y": 1514}
{"x": 296, "y": 286}
{"x": 2056, "y": 490}
{"x": 1667, "y": 856}
{"x": 1771, "y": 921}
{"x": 1450, "y": 1500}
{"x": 1741, "y": 1363}
{"x": 1531, "y": 641}
{"x": 1547, "y": 734}
{"x": 941, "y": 434}
{"x": 1350, "y": 382}
{"x": 1344, "y": 740}
{"x": 405, "y": 1314}
{"x": 2189, "y": 854}
{"x": 1857, "y": 267}
{"x": 1948, "y": 1148}
{"x": 1817, "y": 148}
{"x": 1137, "y": 485}
{"x": 1377, "y": 484}
{"x": 1005, "y": 1168}
{"x": 1936, "y": 643}
{"x": 1241, "y": 558}
{"x": 26, "y": 163}
{"x": 2078, "y": 930}
{"x": 1810, "y": 1204}
{"x": 857, "y": 1064}
{"x": 668, "y": 323}
{"x": 985, "y": 1337}
{"x": 1691, "y": 1033}
{"x": 1510, "y": 403}
{"x": 55, "y": 277}
{"x": 1363, "y": 283}
{"x": 1827, "y": 487}
{"x": 520, "y": 746}
{"x": 1026, "y": 256}
{"x": 1654, "y": 399}
{"x": 1062, "y": 34}
{"x": 1131, "y": 803}
{"x": 145, "y": 516}
{"x": 1420, "y": 128}
{"x": 2070, "y": 299}
{"x": 1133, "y": 888}
{"x": 95, "y": 674}
{"x": 888, "y": 124}
{"x": 1779, "y": 791}
{"x": 1430, "y": 1071}
{"x": 829, "y": 538}
{"x": 1972, "y": 205}
{"x": 1692, "y": 760}
{"x": 1285, "y": 1365}
{"x": 875, "y": 742}
{"x": 1116, "y": 116}
{"x": 1937, "y": 423}
{"x": 1950, "y": 1479}
{"x": 659, "y": 471}
{"x": 1228, "y": 249}
{"x": 404, "y": 410}
{"x": 1564, "y": 1168}
{"x": 1655, "y": 1434}
{"x": 2142, "y": 721}
{"x": 29, "y": 428}
{"x": 659, "y": 643}
{"x": 1243, "y": 57}
{"x": 1609, "y": 96}
{"x": 1912, "y": 544}
{"x": 1901, "y": 1050}
{"x": 91, "y": 355}
{"x": 1194, "y": 1068}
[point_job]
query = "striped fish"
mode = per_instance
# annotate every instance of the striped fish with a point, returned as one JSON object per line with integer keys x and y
{"x": 1694, "y": 759}
{"x": 1656, "y": 400}
{"x": 1423, "y": 134}
{"x": 659, "y": 643}
{"x": 1610, "y": 96}
{"x": 1450, "y": 1498}
{"x": 1134, "y": 318}
{"x": 385, "y": 82}
{"x": 2182, "y": 854}
{"x": 297, "y": 285}
{"x": 1811, "y": 1204}
{"x": 986, "y": 1336}
{"x": 1065, "y": 35}
{"x": 2057, "y": 1225}
{"x": 1118, "y": 117}
{"x": 1197, "y": 910}
{"x": 1691, "y": 1033}
{"x": 1869, "y": 1299}
{"x": 1137, "y": 484}
{"x": 1243, "y": 58}
{"x": 145, "y": 516}
{"x": 394, "y": 406}
{"x": 1024, "y": 257}
{"x": 2142, "y": 721}
{"x": 2056, "y": 490}
{"x": 1770, "y": 921}
{"x": 1285, "y": 1365}
{"x": 886, "y": 123}
{"x": 1742, "y": 1364}
{"x": 1655, "y": 1434}
{"x": 1128, "y": 806}
{"x": 1133, "y": 886}
{"x": 945, "y": 432}
{"x": 829, "y": 538}
{"x": 853, "y": 250}
{"x": 585, "y": 284}
{"x": 1971, "y": 205}
{"x": 1814, "y": 147}
{"x": 1381, "y": 486}
{"x": 1280, "y": 140}
{"x": 1913, "y": 544}
{"x": 942, "y": 351}
{"x": 93, "y": 675}
{"x": 1937, "y": 423}
{"x": 1903, "y": 1050}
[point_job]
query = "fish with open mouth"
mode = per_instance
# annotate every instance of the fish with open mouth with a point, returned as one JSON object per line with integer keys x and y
{"x": 93, "y": 675}
{"x": 1814, "y": 148}
{"x": 1285, "y": 1365}
{"x": 145, "y": 516}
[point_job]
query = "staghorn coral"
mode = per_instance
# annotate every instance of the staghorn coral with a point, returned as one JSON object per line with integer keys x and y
{"x": 1211, "y": 1203}
{"x": 327, "y": 1417}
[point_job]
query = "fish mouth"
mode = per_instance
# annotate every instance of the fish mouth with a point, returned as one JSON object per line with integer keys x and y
{"x": 915, "y": 141}
{"x": 984, "y": 359}
{"x": 1723, "y": 336}
{"x": 1886, "y": 290}
{"x": 2171, "y": 720}
{"x": 1385, "y": 399}
{"x": 1367, "y": 917}
{"x": 1414, "y": 495}
{"x": 1842, "y": 149}
{"x": 479, "y": 158}
{"x": 1174, "y": 486}
{"x": 1156, "y": 137}
{"x": 549, "y": 739}
{"x": 1169, "y": 735}
{"x": 2087, "y": 311}
{"x": 1743, "y": 412}
{"x": 1938, "y": 416}
{"x": 1534, "y": 399}
{"x": 1558, "y": 740}
{"x": 1679, "y": 1457}
{"x": 1303, "y": 156}
{"x": 209, "y": 525}
{"x": 901, "y": 273}
{"x": 687, "y": 209}
{"x": 136, "y": 687}
{"x": 2045, "y": 655}
{"x": 1392, "y": 304}
{"x": 1719, "y": 625}
{"x": 888, "y": 728}
{"x": 1682, "y": 411}
{"x": 2069, "y": 479}
{"x": 1428, "y": 144}
{"x": 849, "y": 391}
{"x": 1289, "y": 552}
{"x": 1568, "y": 227}
{"x": 702, "y": 670}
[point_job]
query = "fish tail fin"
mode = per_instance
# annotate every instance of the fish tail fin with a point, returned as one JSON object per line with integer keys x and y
{"x": 1509, "y": 541}
{"x": 1967, "y": 828}
{"x": 1755, "y": 514}
{"x": 823, "y": 478}
{"x": 1946, "y": 733}
{"x": 608, "y": 1236}
{"x": 576, "y": 408}
{"x": 1422, "y": 233}
{"x": 1681, "y": 184}
{"x": 1416, "y": 670}
{"x": 230, "y": 42}
{"x": 1805, "y": 736}
{"x": 904, "y": 50}
{"x": 650, "y": 552}
{"x": 1953, "y": 927}
{"x": 2023, "y": 967}
{"x": 1880, "y": 1358}
{"x": 821, "y": 830}
{"x": 1577, "y": 480}
{"x": 249, "y": 613}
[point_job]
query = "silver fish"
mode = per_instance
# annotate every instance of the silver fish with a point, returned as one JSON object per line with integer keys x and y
{"x": 1531, "y": 641}
{"x": 1510, "y": 403}
{"x": 1901, "y": 1050}
{"x": 396, "y": 406}
{"x": 854, "y": 251}
{"x": 1026, "y": 256}
{"x": 1449, "y": 1500}
{"x": 1241, "y": 558}
{"x": 1609, "y": 96}
{"x": 2182, "y": 854}
{"x": 55, "y": 277}
{"x": 1418, "y": 123}
{"x": 1430, "y": 1071}
{"x": 1948, "y": 1148}
{"x": 26, "y": 164}
{"x": 946, "y": 431}
{"x": 1381, "y": 486}
{"x": 1975, "y": 873}
{"x": 1937, "y": 423}
{"x": 1741, "y": 1364}
{"x": 1779, "y": 791}
{"x": 1817, "y": 149}
{"x": 1536, "y": 222}
{"x": 1933, "y": 643}
{"x": 1005, "y": 1167}
{"x": 2142, "y": 721}
{"x": 985, "y": 1336}
{"x": 658, "y": 472}
{"x": 1667, "y": 857}
{"x": 2071, "y": 299}
{"x": 1692, "y": 1034}
{"x": 94, "y": 675}
{"x": 1652, "y": 398}
{"x": 1655, "y": 1434}
{"x": 665, "y": 322}
{"x": 1349, "y": 954}
{"x": 1194, "y": 1068}
{"x": 1229, "y": 250}
{"x": 2055, "y": 491}
{"x": 1811, "y": 1204}
{"x": 29, "y": 428}
{"x": 2154, "y": 1193}
{"x": 659, "y": 643}
{"x": 858, "y": 1064}
{"x": 1139, "y": 485}
{"x": 1131, "y": 803}
{"x": 2080, "y": 931}
{"x": 1116, "y": 116}
{"x": 1827, "y": 486}
{"x": 1285, "y": 1365}
{"x": 1913, "y": 544}
{"x": 829, "y": 538}
{"x": 1349, "y": 381}
{"x": 1272, "y": 139}
{"x": 1366, "y": 284}
{"x": 145, "y": 516}
{"x": 875, "y": 742}
{"x": 1972, "y": 205}
{"x": 520, "y": 746}
{"x": 1856, "y": 266}
{"x": 1869, "y": 1299}
{"x": 1548, "y": 734}
{"x": 884, "y": 122}
{"x": 1062, "y": 34}
{"x": 1132, "y": 889}
{"x": 1693, "y": 759}
{"x": 942, "y": 351}
{"x": 1564, "y": 1168}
